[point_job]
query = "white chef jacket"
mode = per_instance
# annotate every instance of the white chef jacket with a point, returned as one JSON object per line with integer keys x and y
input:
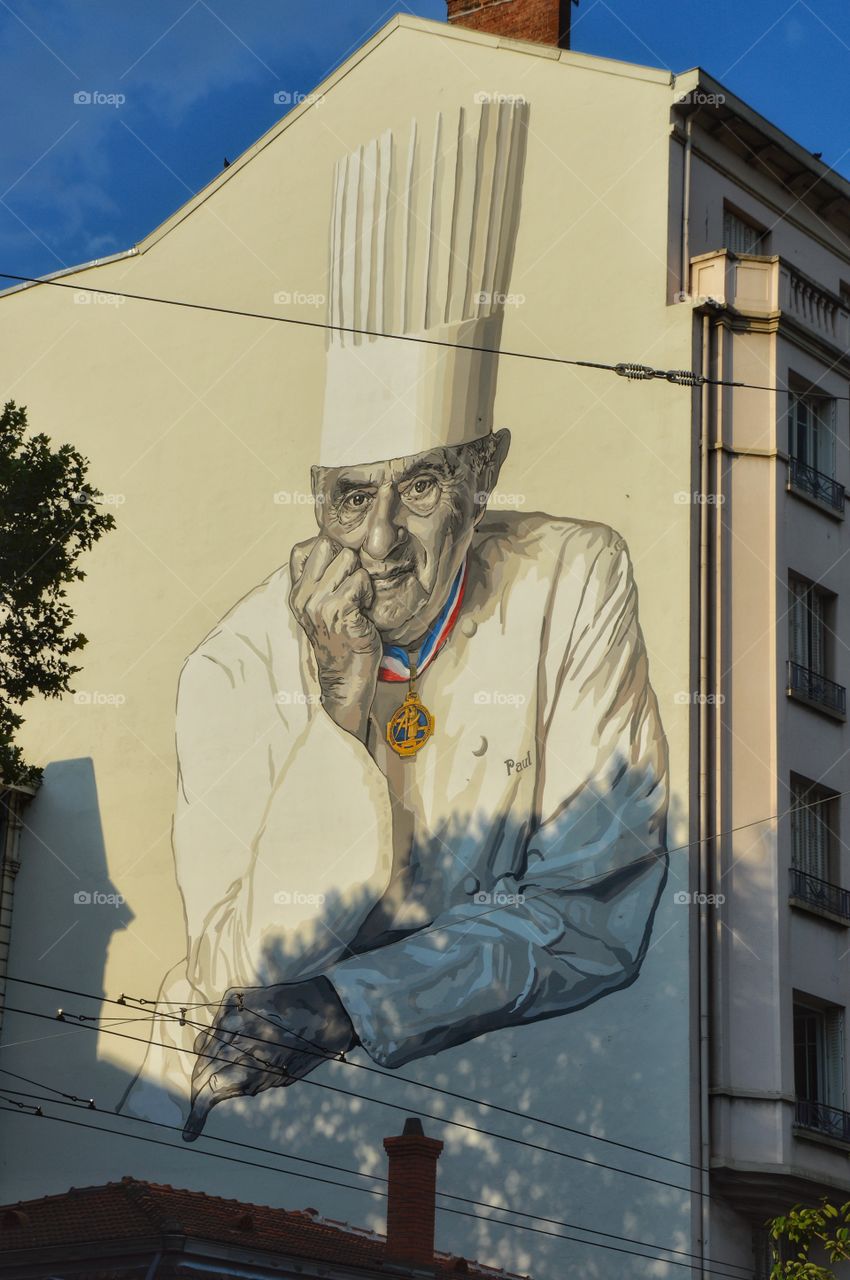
{"x": 508, "y": 872}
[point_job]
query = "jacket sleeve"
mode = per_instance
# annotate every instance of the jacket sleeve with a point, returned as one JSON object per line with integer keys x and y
{"x": 263, "y": 903}
{"x": 574, "y": 923}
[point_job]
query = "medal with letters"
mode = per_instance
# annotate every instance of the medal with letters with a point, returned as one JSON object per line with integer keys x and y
{"x": 412, "y": 724}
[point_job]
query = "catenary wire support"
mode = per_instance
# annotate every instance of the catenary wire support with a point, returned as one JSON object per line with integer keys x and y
{"x": 645, "y": 373}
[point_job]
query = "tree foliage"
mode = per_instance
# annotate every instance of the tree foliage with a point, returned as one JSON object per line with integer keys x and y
{"x": 824, "y": 1229}
{"x": 48, "y": 518}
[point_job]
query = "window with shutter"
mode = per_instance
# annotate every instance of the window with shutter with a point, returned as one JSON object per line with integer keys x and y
{"x": 741, "y": 236}
{"x": 819, "y": 1069}
{"x": 808, "y": 608}
{"x": 812, "y": 828}
{"x": 817, "y": 632}
{"x": 811, "y": 432}
{"x": 834, "y": 1047}
{"x": 798, "y": 638}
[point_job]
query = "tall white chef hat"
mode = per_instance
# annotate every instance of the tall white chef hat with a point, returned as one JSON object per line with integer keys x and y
{"x": 423, "y": 231}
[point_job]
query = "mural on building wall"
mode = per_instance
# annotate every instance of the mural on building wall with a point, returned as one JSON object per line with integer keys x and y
{"x": 422, "y": 775}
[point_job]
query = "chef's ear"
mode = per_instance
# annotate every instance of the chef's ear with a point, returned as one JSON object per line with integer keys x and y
{"x": 317, "y": 483}
{"x": 488, "y": 476}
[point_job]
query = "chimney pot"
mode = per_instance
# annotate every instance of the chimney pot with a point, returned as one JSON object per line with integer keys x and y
{"x": 541, "y": 21}
{"x": 411, "y": 1206}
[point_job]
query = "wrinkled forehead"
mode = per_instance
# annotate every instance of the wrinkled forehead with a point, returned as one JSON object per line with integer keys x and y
{"x": 445, "y": 461}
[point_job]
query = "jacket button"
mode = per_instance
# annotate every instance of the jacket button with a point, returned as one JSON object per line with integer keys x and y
{"x": 471, "y": 885}
{"x": 480, "y": 748}
{"x": 468, "y": 627}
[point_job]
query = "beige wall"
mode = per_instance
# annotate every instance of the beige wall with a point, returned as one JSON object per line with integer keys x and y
{"x": 197, "y": 420}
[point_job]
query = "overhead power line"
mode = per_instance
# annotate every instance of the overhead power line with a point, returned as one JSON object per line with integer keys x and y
{"x": 90, "y": 1024}
{"x": 89, "y": 1104}
{"x": 420, "y": 1084}
{"x": 36, "y": 1110}
{"x": 633, "y": 371}
{"x": 435, "y": 1088}
{"x": 129, "y": 1001}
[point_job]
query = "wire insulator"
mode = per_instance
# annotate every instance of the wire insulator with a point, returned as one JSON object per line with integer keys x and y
{"x": 685, "y": 377}
{"x": 635, "y": 372}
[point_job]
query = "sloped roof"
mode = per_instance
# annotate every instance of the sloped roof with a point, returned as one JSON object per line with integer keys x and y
{"x": 133, "y": 1210}
{"x": 832, "y": 190}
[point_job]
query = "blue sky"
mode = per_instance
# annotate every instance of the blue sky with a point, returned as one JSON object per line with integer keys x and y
{"x": 199, "y": 78}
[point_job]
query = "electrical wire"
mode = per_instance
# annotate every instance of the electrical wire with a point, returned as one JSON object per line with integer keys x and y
{"x": 435, "y": 1088}
{"x": 483, "y": 1204}
{"x": 527, "y": 1117}
{"x": 250, "y": 1060}
{"x": 633, "y": 371}
{"x": 420, "y": 1084}
{"x": 37, "y": 1111}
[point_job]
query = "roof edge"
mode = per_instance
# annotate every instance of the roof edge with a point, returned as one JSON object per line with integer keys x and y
{"x": 589, "y": 61}
{"x": 697, "y": 79}
{"x": 69, "y": 271}
{"x": 310, "y": 103}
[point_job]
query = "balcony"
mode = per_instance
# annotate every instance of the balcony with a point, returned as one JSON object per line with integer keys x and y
{"x": 805, "y": 685}
{"x": 761, "y": 285}
{"x": 825, "y": 898}
{"x": 816, "y": 487}
{"x": 828, "y": 1121}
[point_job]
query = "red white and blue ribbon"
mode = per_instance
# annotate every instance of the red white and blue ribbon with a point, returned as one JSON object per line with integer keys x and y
{"x": 395, "y": 665}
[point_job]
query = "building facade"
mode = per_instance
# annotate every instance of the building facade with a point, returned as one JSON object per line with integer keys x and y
{"x": 776, "y": 315}
{"x": 631, "y": 768}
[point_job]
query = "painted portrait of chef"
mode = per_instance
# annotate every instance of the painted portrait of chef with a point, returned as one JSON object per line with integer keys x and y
{"x": 422, "y": 777}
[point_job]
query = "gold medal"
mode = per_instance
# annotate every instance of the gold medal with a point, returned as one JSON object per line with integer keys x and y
{"x": 412, "y": 724}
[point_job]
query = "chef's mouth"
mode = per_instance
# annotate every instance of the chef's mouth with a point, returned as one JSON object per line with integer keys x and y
{"x": 391, "y": 578}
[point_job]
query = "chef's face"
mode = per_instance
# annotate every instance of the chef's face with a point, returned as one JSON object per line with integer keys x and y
{"x": 411, "y": 521}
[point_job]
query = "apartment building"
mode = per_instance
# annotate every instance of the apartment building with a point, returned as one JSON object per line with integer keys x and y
{"x": 768, "y": 240}
{"x": 675, "y": 231}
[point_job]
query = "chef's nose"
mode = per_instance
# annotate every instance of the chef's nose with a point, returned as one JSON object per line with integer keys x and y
{"x": 385, "y": 529}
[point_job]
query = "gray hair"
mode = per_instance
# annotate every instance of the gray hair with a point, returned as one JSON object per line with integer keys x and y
{"x": 479, "y": 453}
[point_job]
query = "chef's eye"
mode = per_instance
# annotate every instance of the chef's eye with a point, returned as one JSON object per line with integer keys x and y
{"x": 421, "y": 493}
{"x": 355, "y": 504}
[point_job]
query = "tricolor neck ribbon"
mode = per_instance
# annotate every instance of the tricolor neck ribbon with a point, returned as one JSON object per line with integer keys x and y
{"x": 395, "y": 665}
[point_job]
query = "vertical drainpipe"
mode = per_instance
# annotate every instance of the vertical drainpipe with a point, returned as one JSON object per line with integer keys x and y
{"x": 684, "y": 271}
{"x": 12, "y": 801}
{"x": 705, "y": 817}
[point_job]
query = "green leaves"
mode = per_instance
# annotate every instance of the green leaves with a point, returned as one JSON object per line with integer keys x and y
{"x": 49, "y": 516}
{"x": 824, "y": 1230}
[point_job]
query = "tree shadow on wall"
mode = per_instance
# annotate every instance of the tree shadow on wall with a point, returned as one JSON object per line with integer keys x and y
{"x": 71, "y": 909}
{"x": 617, "y": 1068}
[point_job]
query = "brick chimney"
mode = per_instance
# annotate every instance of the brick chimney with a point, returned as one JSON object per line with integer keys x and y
{"x": 543, "y": 21}
{"x": 411, "y": 1205}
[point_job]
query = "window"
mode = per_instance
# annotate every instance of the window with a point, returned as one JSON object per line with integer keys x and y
{"x": 742, "y": 236}
{"x": 808, "y": 614}
{"x": 815, "y": 871}
{"x": 813, "y": 828}
{"x": 819, "y": 1068}
{"x": 811, "y": 431}
{"x": 811, "y": 450}
{"x": 810, "y": 626}
{"x": 763, "y": 1248}
{"x": 762, "y": 1254}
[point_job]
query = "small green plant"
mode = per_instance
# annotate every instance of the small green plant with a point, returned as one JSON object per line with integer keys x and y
{"x": 797, "y": 1234}
{"x": 48, "y": 518}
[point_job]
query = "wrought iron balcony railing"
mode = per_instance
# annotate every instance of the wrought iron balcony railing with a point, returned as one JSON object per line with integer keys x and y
{"x": 814, "y": 484}
{"x": 818, "y": 1116}
{"x": 820, "y": 893}
{"x": 815, "y": 689}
